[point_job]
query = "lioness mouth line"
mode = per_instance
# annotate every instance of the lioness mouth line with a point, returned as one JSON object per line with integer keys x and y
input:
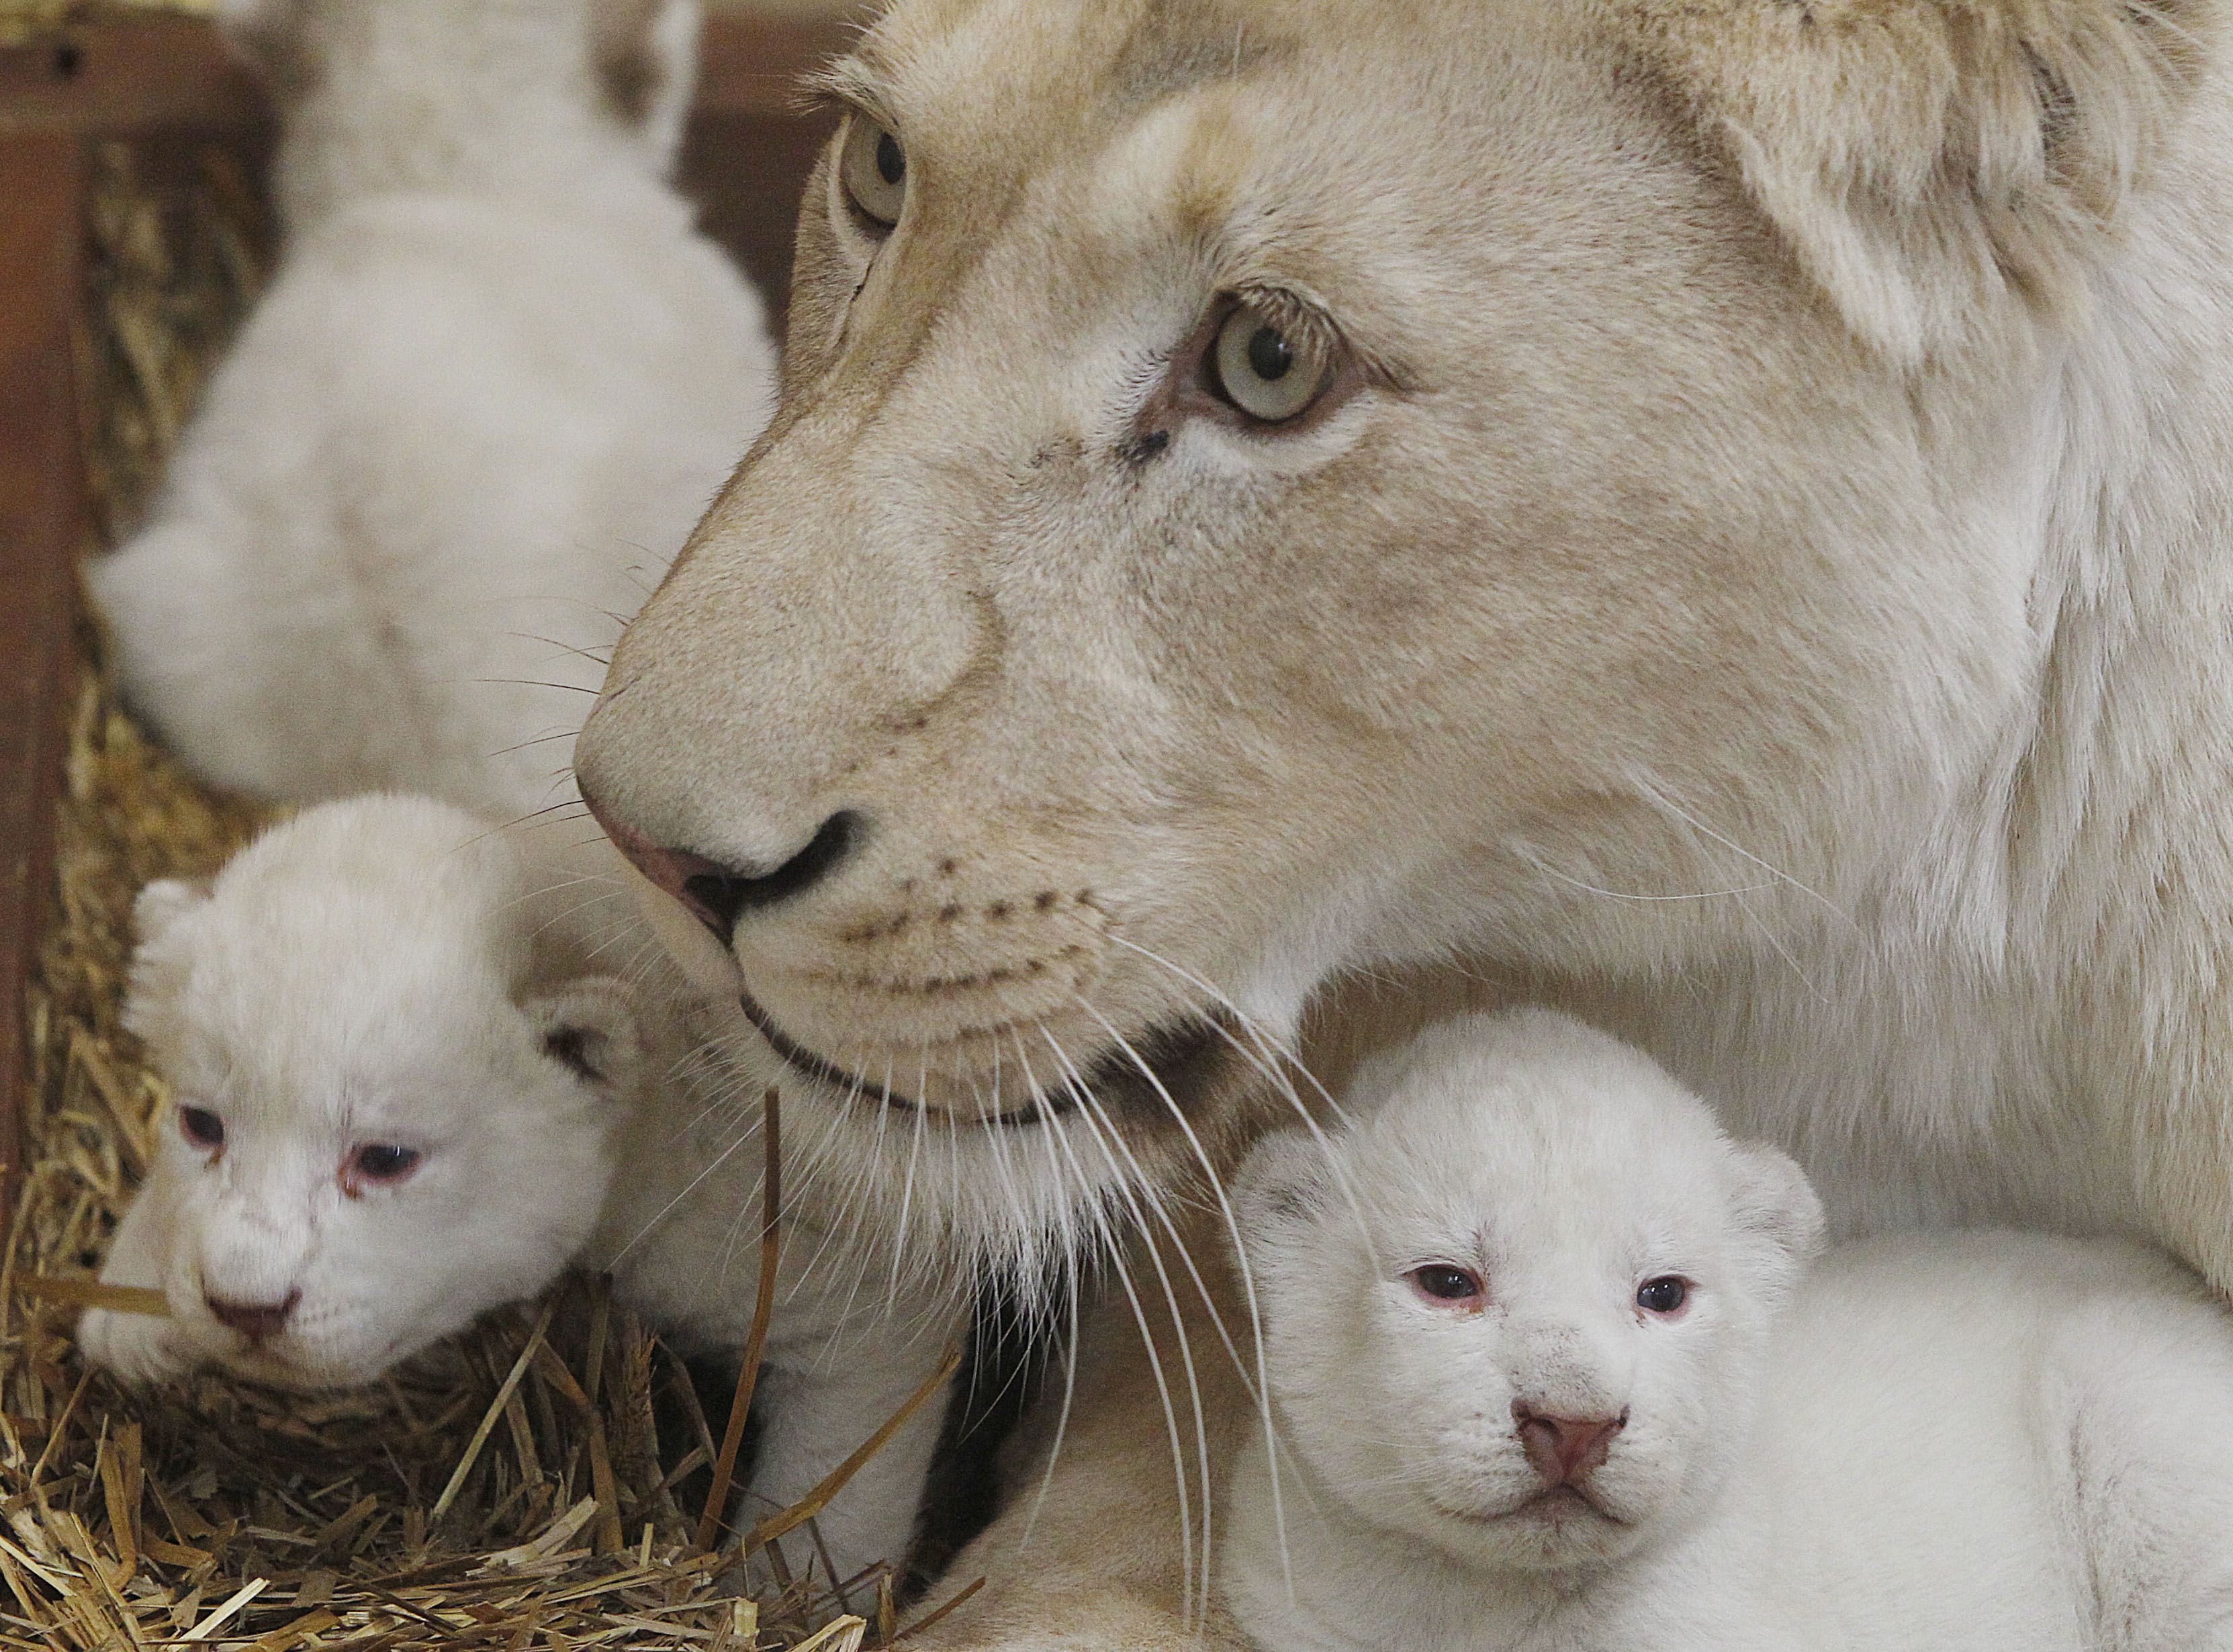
{"x": 1167, "y": 1054}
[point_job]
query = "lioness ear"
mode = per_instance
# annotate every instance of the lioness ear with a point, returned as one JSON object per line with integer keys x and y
{"x": 1933, "y": 164}
{"x": 590, "y": 1028}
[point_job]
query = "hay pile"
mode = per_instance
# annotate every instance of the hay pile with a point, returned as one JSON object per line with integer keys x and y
{"x": 511, "y": 1492}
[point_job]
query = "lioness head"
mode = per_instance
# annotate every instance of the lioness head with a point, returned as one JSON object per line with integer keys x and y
{"x": 1265, "y": 488}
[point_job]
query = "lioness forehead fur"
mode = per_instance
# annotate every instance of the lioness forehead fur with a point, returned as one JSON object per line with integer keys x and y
{"x": 1757, "y": 578}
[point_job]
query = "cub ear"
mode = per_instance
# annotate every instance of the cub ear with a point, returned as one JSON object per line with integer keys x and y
{"x": 160, "y": 971}
{"x": 272, "y": 37}
{"x": 1282, "y": 1188}
{"x": 643, "y": 55}
{"x": 591, "y": 1027}
{"x": 1936, "y": 165}
{"x": 1775, "y": 1206}
{"x": 158, "y": 906}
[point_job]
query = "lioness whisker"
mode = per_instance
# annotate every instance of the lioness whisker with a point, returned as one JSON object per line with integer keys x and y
{"x": 667, "y": 1209}
{"x": 1659, "y": 800}
{"x": 907, "y": 1188}
{"x": 1132, "y": 1188}
{"x": 1069, "y": 1394}
{"x": 1278, "y": 1054}
{"x": 1058, "y": 1128}
{"x": 1282, "y": 1085}
{"x": 1257, "y": 1381}
{"x": 1552, "y": 872}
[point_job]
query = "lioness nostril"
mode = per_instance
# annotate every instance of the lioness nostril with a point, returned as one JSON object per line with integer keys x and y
{"x": 717, "y": 896}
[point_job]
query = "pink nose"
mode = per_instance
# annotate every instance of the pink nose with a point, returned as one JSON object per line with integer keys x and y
{"x": 687, "y": 877}
{"x": 717, "y": 896}
{"x": 258, "y": 1322}
{"x": 1565, "y": 1450}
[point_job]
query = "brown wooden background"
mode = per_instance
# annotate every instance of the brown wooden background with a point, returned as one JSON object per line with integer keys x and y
{"x": 748, "y": 152}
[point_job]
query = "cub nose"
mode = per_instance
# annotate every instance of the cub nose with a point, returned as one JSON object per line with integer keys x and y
{"x": 717, "y": 896}
{"x": 258, "y": 1322}
{"x": 1564, "y": 1449}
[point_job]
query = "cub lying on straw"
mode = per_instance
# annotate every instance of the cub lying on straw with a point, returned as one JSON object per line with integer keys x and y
{"x": 1555, "y": 1373}
{"x": 496, "y": 378}
{"x": 410, "y": 1088}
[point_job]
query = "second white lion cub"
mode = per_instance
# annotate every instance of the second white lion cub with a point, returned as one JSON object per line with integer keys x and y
{"x": 1551, "y": 1371}
{"x": 411, "y": 1086}
{"x": 496, "y": 379}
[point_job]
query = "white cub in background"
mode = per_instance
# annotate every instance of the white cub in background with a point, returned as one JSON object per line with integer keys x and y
{"x": 497, "y": 377}
{"x": 406, "y": 1093}
{"x": 1551, "y": 1371}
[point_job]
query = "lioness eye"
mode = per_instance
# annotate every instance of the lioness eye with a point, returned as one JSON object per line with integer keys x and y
{"x": 873, "y": 168}
{"x": 1263, "y": 369}
{"x": 201, "y": 1127}
{"x": 1664, "y": 1295}
{"x": 1442, "y": 1283}
{"x": 376, "y": 1162}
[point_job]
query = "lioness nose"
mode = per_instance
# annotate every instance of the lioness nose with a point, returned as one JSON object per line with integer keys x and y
{"x": 1564, "y": 1449}
{"x": 717, "y": 896}
{"x": 258, "y": 1322}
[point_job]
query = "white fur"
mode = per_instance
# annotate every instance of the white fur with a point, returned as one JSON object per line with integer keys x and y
{"x": 388, "y": 970}
{"x": 1997, "y": 1442}
{"x": 496, "y": 379}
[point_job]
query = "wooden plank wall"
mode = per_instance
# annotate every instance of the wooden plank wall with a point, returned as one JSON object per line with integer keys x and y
{"x": 749, "y": 148}
{"x": 43, "y": 524}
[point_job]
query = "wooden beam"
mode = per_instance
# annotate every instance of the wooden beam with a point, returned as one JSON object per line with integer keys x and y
{"x": 43, "y": 525}
{"x": 125, "y": 74}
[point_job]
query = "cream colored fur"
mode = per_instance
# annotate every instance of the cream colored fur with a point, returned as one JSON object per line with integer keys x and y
{"x": 1994, "y": 1440}
{"x": 496, "y": 376}
{"x": 391, "y": 970}
{"x": 1759, "y": 578}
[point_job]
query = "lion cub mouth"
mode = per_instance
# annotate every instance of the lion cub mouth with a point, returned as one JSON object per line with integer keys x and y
{"x": 1160, "y": 1066}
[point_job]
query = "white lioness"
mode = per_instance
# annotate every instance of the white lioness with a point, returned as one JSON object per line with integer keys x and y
{"x": 1553, "y": 1374}
{"x": 1715, "y": 509}
{"x": 418, "y": 1072}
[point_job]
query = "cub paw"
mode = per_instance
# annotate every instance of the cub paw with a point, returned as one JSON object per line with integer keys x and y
{"x": 140, "y": 1347}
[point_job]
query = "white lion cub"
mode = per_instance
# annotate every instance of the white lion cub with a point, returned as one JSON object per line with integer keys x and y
{"x": 495, "y": 381}
{"x": 407, "y": 1094}
{"x": 1551, "y": 1371}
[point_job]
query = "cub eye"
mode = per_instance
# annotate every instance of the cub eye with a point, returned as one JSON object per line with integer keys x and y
{"x": 1442, "y": 1283}
{"x": 201, "y": 1127}
{"x": 873, "y": 168}
{"x": 1664, "y": 1295}
{"x": 1264, "y": 368}
{"x": 378, "y": 1161}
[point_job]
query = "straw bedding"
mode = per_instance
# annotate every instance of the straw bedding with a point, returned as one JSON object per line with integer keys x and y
{"x": 512, "y": 1492}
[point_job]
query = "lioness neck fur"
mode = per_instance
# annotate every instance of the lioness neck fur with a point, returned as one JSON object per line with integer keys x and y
{"x": 1758, "y": 578}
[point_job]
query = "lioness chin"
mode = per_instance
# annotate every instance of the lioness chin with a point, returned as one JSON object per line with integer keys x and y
{"x": 1712, "y": 510}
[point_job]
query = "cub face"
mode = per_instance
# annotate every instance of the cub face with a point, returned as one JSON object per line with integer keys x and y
{"x": 1517, "y": 1311}
{"x": 1263, "y": 489}
{"x": 376, "y": 1135}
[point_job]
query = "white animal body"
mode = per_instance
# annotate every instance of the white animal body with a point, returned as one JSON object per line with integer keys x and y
{"x": 495, "y": 380}
{"x": 1572, "y": 1385}
{"x": 406, "y": 1093}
